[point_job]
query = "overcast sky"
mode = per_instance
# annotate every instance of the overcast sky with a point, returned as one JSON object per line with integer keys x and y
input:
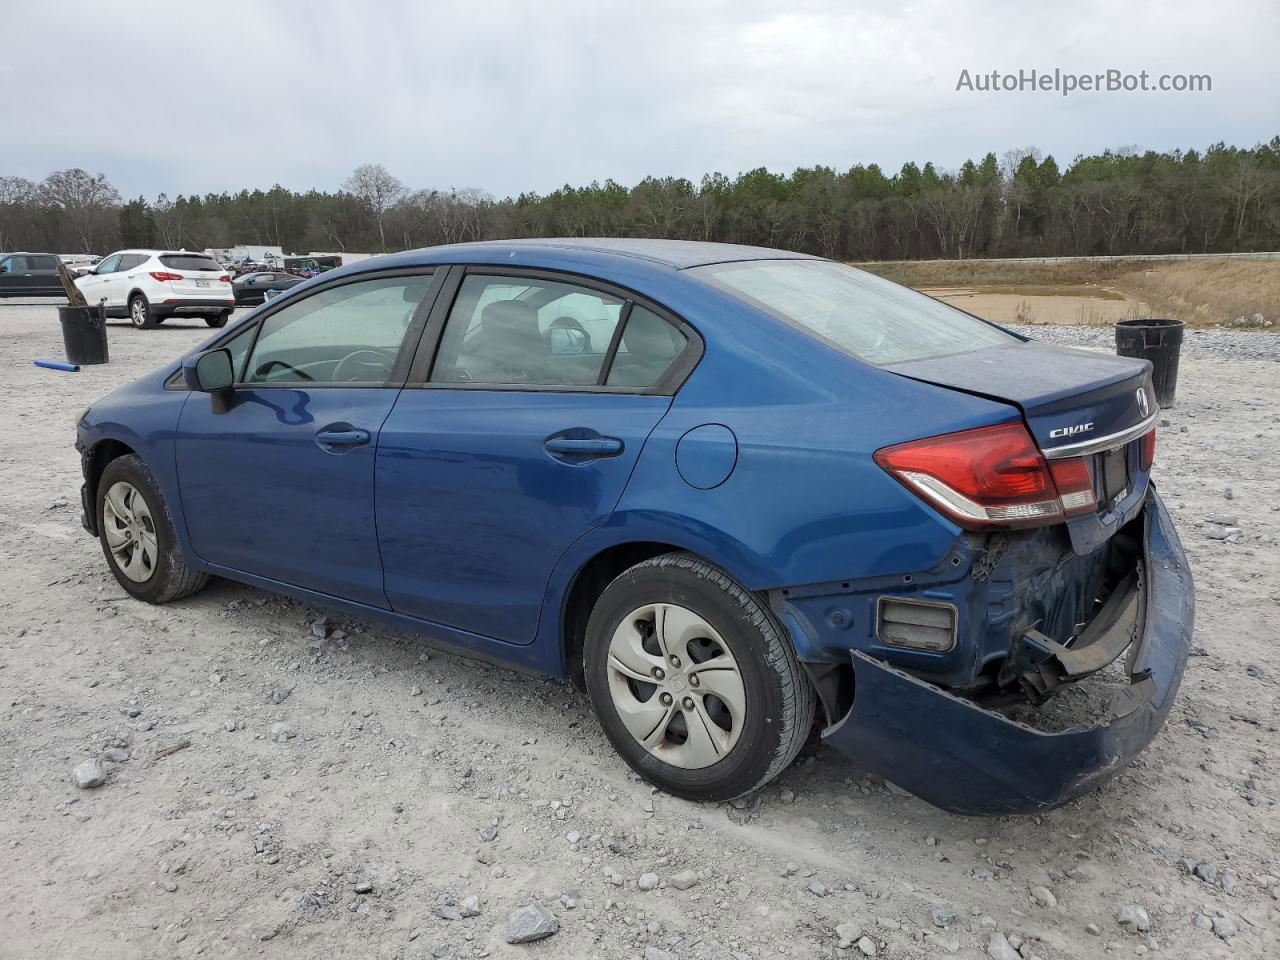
{"x": 520, "y": 96}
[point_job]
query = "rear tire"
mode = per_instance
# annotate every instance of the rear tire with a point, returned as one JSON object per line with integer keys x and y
{"x": 726, "y": 664}
{"x": 137, "y": 536}
{"x": 140, "y": 313}
{"x": 220, "y": 320}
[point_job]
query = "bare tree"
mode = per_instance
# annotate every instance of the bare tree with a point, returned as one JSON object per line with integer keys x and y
{"x": 379, "y": 189}
{"x": 17, "y": 195}
{"x": 169, "y": 222}
{"x": 88, "y": 202}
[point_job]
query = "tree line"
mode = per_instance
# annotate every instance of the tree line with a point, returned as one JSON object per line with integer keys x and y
{"x": 1022, "y": 204}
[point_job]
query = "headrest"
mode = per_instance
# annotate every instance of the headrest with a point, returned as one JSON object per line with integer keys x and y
{"x": 509, "y": 333}
{"x": 509, "y": 316}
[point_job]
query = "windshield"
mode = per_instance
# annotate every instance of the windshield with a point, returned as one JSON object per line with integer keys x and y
{"x": 874, "y": 319}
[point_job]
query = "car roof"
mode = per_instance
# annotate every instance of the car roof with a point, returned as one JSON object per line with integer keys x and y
{"x": 677, "y": 254}
{"x": 163, "y": 253}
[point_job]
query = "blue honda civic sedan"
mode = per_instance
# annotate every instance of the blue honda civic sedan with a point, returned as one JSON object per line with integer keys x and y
{"x": 726, "y": 490}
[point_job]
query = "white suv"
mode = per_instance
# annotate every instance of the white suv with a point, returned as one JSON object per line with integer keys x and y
{"x": 149, "y": 285}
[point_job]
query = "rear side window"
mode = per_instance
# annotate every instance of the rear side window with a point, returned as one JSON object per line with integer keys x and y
{"x": 649, "y": 346}
{"x": 186, "y": 262}
{"x": 131, "y": 260}
{"x": 44, "y": 262}
{"x": 511, "y": 330}
{"x": 872, "y": 318}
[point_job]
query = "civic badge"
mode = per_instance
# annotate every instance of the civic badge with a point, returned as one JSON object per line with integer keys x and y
{"x": 1144, "y": 407}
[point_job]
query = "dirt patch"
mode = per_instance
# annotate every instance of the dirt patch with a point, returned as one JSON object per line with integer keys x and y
{"x": 1239, "y": 292}
{"x": 1058, "y": 304}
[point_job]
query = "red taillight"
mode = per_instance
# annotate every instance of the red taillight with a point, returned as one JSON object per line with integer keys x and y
{"x": 1075, "y": 485}
{"x": 991, "y": 476}
{"x": 1148, "y": 448}
{"x": 225, "y": 278}
{"x": 162, "y": 277}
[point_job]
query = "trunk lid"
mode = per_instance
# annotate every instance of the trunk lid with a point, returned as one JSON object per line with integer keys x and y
{"x": 1071, "y": 399}
{"x": 1076, "y": 403}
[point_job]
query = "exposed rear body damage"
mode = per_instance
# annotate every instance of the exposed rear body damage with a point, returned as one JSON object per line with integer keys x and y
{"x": 969, "y": 759}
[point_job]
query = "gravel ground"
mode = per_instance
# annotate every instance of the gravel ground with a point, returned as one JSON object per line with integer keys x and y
{"x": 1216, "y": 344}
{"x": 279, "y": 783}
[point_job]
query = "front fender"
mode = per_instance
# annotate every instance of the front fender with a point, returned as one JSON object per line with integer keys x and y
{"x": 142, "y": 416}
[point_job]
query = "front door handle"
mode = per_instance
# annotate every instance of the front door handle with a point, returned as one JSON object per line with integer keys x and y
{"x": 584, "y": 447}
{"x": 343, "y": 438}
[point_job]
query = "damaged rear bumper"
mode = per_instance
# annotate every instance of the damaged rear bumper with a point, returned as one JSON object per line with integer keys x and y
{"x": 970, "y": 760}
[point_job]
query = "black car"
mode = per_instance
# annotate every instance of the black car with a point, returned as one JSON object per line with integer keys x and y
{"x": 29, "y": 275}
{"x": 252, "y": 288}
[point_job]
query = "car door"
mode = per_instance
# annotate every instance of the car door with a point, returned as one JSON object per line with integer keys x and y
{"x": 14, "y": 278}
{"x": 94, "y": 285}
{"x": 43, "y": 268}
{"x": 517, "y": 441}
{"x": 126, "y": 278}
{"x": 277, "y": 480}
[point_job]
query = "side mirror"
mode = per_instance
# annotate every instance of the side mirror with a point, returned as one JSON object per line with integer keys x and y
{"x": 209, "y": 372}
{"x": 567, "y": 342}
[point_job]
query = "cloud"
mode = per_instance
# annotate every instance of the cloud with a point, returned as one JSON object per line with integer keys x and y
{"x": 511, "y": 96}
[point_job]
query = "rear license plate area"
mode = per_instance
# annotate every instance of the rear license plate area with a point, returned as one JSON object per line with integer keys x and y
{"x": 1113, "y": 476}
{"x": 202, "y": 283}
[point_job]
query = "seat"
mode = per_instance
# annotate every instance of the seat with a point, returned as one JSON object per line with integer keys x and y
{"x": 509, "y": 347}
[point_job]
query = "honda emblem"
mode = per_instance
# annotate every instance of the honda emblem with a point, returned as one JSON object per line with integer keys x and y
{"x": 1144, "y": 406}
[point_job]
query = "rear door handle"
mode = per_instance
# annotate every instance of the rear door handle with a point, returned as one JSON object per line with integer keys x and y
{"x": 343, "y": 438}
{"x": 584, "y": 447}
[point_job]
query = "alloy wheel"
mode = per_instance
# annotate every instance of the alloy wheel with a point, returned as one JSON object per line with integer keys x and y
{"x": 676, "y": 685}
{"x": 130, "y": 531}
{"x": 138, "y": 312}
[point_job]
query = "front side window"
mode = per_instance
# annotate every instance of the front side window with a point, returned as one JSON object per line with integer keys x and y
{"x": 15, "y": 265}
{"x": 239, "y": 347}
{"x": 350, "y": 333}
{"x": 872, "y": 318}
{"x": 517, "y": 330}
{"x": 108, "y": 265}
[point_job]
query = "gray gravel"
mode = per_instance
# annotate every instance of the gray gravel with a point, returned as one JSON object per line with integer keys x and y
{"x": 387, "y": 760}
{"x": 1202, "y": 344}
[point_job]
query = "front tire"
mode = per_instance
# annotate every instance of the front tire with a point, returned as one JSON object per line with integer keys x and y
{"x": 136, "y": 532}
{"x": 694, "y": 679}
{"x": 140, "y": 314}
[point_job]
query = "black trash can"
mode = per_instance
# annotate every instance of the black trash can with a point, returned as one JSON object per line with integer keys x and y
{"x": 84, "y": 334}
{"x": 1159, "y": 341}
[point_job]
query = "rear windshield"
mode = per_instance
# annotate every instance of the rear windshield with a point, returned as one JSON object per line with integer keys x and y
{"x": 184, "y": 262}
{"x": 874, "y": 319}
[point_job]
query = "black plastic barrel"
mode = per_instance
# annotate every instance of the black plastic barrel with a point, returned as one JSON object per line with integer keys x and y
{"x": 1159, "y": 341}
{"x": 84, "y": 334}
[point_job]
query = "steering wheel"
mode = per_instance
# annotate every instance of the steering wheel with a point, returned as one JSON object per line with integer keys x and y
{"x": 362, "y": 366}
{"x": 270, "y": 365}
